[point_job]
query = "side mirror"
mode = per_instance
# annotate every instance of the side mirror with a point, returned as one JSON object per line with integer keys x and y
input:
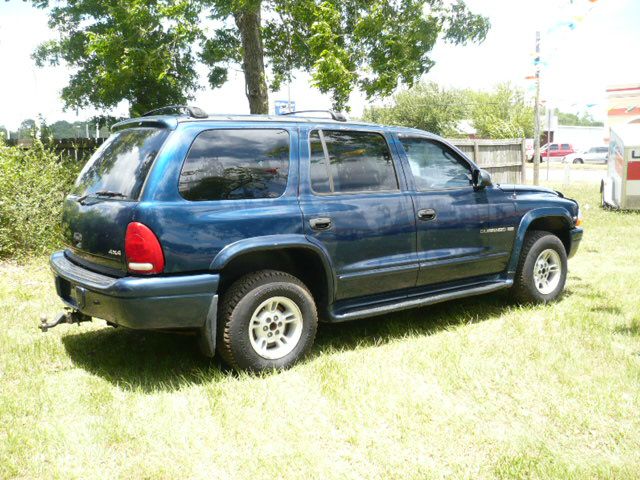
{"x": 481, "y": 179}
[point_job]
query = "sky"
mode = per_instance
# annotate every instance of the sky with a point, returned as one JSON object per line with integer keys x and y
{"x": 578, "y": 63}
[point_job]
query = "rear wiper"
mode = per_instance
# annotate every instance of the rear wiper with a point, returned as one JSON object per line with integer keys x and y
{"x": 101, "y": 193}
{"x": 108, "y": 193}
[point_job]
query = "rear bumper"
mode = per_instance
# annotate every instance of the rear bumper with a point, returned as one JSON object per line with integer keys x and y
{"x": 576, "y": 236}
{"x": 181, "y": 301}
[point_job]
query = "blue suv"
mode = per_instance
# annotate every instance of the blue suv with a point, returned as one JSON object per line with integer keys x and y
{"x": 250, "y": 229}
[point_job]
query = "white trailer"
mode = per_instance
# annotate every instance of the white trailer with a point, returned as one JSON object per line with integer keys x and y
{"x": 621, "y": 187}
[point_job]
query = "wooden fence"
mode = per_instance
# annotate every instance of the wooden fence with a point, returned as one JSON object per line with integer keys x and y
{"x": 79, "y": 149}
{"x": 503, "y": 159}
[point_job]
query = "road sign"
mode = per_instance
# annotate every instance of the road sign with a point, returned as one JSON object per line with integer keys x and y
{"x": 284, "y": 106}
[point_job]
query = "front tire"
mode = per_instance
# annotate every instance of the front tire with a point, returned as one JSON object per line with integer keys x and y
{"x": 578, "y": 161}
{"x": 268, "y": 320}
{"x": 542, "y": 269}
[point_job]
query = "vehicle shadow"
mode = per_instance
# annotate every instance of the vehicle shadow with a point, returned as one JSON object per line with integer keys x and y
{"x": 150, "y": 361}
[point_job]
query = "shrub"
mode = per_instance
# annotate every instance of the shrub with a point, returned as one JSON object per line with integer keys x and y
{"x": 33, "y": 184}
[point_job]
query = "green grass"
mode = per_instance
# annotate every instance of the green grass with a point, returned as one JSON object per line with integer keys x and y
{"x": 480, "y": 388}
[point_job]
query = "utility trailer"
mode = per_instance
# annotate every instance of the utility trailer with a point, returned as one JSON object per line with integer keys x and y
{"x": 621, "y": 187}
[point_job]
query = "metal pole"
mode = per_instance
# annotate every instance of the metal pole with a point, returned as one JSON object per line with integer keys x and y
{"x": 536, "y": 110}
{"x": 548, "y": 136}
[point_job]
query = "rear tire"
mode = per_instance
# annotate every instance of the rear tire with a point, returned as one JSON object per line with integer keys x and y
{"x": 578, "y": 161}
{"x": 268, "y": 320}
{"x": 542, "y": 269}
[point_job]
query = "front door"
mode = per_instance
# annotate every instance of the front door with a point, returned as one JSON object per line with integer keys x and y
{"x": 355, "y": 205}
{"x": 462, "y": 232}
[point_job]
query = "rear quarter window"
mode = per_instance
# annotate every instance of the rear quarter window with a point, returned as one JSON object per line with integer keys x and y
{"x": 236, "y": 164}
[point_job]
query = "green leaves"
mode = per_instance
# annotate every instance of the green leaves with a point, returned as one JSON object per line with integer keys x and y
{"x": 426, "y": 106}
{"x": 501, "y": 113}
{"x": 33, "y": 184}
{"x": 134, "y": 50}
{"x": 143, "y": 51}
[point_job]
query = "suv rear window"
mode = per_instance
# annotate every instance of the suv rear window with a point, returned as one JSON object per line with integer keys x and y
{"x": 350, "y": 162}
{"x": 121, "y": 164}
{"x": 234, "y": 164}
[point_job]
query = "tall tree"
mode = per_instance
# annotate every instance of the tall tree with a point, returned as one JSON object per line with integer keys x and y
{"x": 500, "y": 113}
{"x": 584, "y": 120}
{"x": 135, "y": 50}
{"x": 426, "y": 106}
{"x": 373, "y": 45}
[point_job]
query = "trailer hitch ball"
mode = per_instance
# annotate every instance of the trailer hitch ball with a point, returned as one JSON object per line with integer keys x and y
{"x": 72, "y": 316}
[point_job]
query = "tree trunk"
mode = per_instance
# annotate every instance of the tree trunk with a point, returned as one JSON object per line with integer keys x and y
{"x": 248, "y": 22}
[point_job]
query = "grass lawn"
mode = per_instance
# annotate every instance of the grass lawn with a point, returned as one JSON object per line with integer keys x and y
{"x": 480, "y": 388}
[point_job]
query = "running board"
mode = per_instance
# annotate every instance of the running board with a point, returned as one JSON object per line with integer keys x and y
{"x": 430, "y": 299}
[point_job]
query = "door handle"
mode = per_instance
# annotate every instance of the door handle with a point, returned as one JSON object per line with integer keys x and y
{"x": 427, "y": 214}
{"x": 320, "y": 223}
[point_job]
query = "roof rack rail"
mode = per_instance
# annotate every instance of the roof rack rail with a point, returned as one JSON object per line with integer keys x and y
{"x": 337, "y": 116}
{"x": 193, "y": 112}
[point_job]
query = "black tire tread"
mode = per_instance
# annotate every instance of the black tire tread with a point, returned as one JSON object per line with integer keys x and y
{"x": 520, "y": 288}
{"x": 237, "y": 292}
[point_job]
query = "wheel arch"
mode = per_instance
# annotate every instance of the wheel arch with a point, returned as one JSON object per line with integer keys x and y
{"x": 555, "y": 220}
{"x": 293, "y": 254}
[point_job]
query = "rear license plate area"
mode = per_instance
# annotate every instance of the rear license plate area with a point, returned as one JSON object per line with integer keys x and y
{"x": 70, "y": 294}
{"x": 63, "y": 287}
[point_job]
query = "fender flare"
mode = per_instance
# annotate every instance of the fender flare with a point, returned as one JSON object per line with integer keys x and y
{"x": 525, "y": 222}
{"x": 276, "y": 242}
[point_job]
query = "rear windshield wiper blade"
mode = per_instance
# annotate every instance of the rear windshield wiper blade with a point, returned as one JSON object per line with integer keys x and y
{"x": 108, "y": 193}
{"x": 101, "y": 193}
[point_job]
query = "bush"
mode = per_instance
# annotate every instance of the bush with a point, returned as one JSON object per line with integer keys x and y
{"x": 33, "y": 184}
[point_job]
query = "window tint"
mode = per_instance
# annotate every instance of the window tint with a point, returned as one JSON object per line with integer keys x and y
{"x": 121, "y": 164}
{"x": 565, "y": 146}
{"x": 554, "y": 147}
{"x": 236, "y": 164}
{"x": 434, "y": 165}
{"x": 350, "y": 162}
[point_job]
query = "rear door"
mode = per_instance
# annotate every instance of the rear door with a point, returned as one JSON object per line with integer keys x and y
{"x": 355, "y": 205}
{"x": 105, "y": 195}
{"x": 462, "y": 232}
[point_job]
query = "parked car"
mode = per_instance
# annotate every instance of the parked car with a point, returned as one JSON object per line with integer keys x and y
{"x": 250, "y": 229}
{"x": 554, "y": 151}
{"x": 592, "y": 155}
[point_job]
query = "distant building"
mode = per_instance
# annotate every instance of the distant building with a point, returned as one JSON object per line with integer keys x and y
{"x": 623, "y": 104}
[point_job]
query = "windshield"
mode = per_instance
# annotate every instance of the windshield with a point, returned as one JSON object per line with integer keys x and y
{"x": 119, "y": 167}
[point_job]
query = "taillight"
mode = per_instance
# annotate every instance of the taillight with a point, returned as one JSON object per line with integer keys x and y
{"x": 142, "y": 250}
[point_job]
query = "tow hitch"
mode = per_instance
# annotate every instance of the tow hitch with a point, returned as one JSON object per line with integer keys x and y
{"x": 68, "y": 316}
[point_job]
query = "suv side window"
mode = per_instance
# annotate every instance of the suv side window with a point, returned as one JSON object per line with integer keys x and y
{"x": 234, "y": 164}
{"x": 565, "y": 146}
{"x": 553, "y": 146}
{"x": 434, "y": 165}
{"x": 350, "y": 162}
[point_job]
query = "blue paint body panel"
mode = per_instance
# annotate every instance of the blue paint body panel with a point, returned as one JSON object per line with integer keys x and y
{"x": 377, "y": 255}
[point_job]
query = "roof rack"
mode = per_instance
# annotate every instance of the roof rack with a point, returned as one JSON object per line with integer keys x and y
{"x": 337, "y": 116}
{"x": 193, "y": 112}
